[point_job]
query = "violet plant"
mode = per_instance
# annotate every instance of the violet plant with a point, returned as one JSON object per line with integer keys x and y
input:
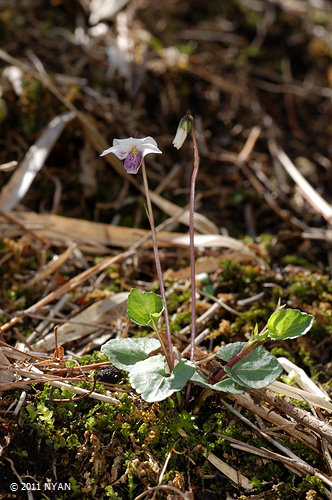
{"x": 156, "y": 377}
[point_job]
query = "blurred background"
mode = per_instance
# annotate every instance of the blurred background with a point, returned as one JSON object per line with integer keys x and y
{"x": 134, "y": 68}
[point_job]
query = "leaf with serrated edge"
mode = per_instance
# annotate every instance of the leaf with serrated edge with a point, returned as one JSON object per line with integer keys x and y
{"x": 123, "y": 353}
{"x": 152, "y": 380}
{"x": 289, "y": 323}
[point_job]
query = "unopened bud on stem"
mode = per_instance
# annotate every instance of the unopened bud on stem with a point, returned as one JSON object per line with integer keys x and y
{"x": 183, "y": 130}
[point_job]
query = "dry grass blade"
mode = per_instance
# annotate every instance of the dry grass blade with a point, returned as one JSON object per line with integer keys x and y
{"x": 102, "y": 311}
{"x": 302, "y": 380}
{"x": 300, "y": 395}
{"x": 226, "y": 469}
{"x": 6, "y": 167}
{"x": 166, "y": 487}
{"x": 87, "y": 234}
{"x": 230, "y": 472}
{"x": 75, "y": 282}
{"x": 71, "y": 285}
{"x": 297, "y": 465}
{"x": 38, "y": 375}
{"x": 280, "y": 422}
{"x": 58, "y": 230}
{"x": 51, "y": 267}
{"x": 202, "y": 223}
{"x": 11, "y": 218}
{"x": 6, "y": 376}
{"x": 256, "y": 429}
{"x": 25, "y": 173}
{"x": 301, "y": 465}
{"x": 100, "y": 10}
{"x": 220, "y": 241}
{"x": 308, "y": 192}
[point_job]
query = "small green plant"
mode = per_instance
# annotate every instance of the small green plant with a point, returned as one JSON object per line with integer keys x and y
{"x": 157, "y": 376}
{"x": 248, "y": 365}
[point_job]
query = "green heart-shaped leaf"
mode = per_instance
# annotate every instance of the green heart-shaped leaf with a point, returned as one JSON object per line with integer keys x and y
{"x": 229, "y": 351}
{"x": 288, "y": 324}
{"x": 153, "y": 381}
{"x": 144, "y": 308}
{"x": 124, "y": 353}
{"x": 226, "y": 385}
{"x": 256, "y": 371}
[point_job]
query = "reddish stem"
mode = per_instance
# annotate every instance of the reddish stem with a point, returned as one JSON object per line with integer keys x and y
{"x": 192, "y": 245}
{"x": 192, "y": 254}
{"x": 242, "y": 355}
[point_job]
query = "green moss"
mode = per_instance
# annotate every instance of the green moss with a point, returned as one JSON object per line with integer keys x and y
{"x": 271, "y": 471}
{"x": 318, "y": 331}
{"x": 255, "y": 315}
{"x": 182, "y": 319}
{"x": 80, "y": 428}
{"x": 309, "y": 286}
{"x": 256, "y": 482}
{"x": 306, "y": 359}
{"x": 280, "y": 352}
{"x": 111, "y": 494}
{"x": 113, "y": 287}
{"x": 307, "y": 292}
{"x": 88, "y": 359}
{"x": 285, "y": 491}
{"x": 304, "y": 452}
{"x": 176, "y": 299}
{"x": 300, "y": 404}
{"x": 296, "y": 260}
{"x": 242, "y": 280}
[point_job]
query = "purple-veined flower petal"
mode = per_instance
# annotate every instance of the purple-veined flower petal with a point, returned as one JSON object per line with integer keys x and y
{"x": 133, "y": 162}
{"x": 121, "y": 154}
{"x": 134, "y": 148}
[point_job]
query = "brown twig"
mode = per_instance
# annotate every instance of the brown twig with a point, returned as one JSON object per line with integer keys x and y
{"x": 301, "y": 416}
{"x": 14, "y": 220}
{"x": 296, "y": 464}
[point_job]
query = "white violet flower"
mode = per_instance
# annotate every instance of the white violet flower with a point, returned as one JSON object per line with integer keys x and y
{"x": 132, "y": 151}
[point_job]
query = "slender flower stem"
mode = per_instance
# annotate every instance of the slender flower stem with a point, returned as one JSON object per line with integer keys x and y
{"x": 192, "y": 254}
{"x": 192, "y": 245}
{"x": 170, "y": 357}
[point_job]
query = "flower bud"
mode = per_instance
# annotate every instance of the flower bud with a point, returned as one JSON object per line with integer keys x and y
{"x": 183, "y": 130}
